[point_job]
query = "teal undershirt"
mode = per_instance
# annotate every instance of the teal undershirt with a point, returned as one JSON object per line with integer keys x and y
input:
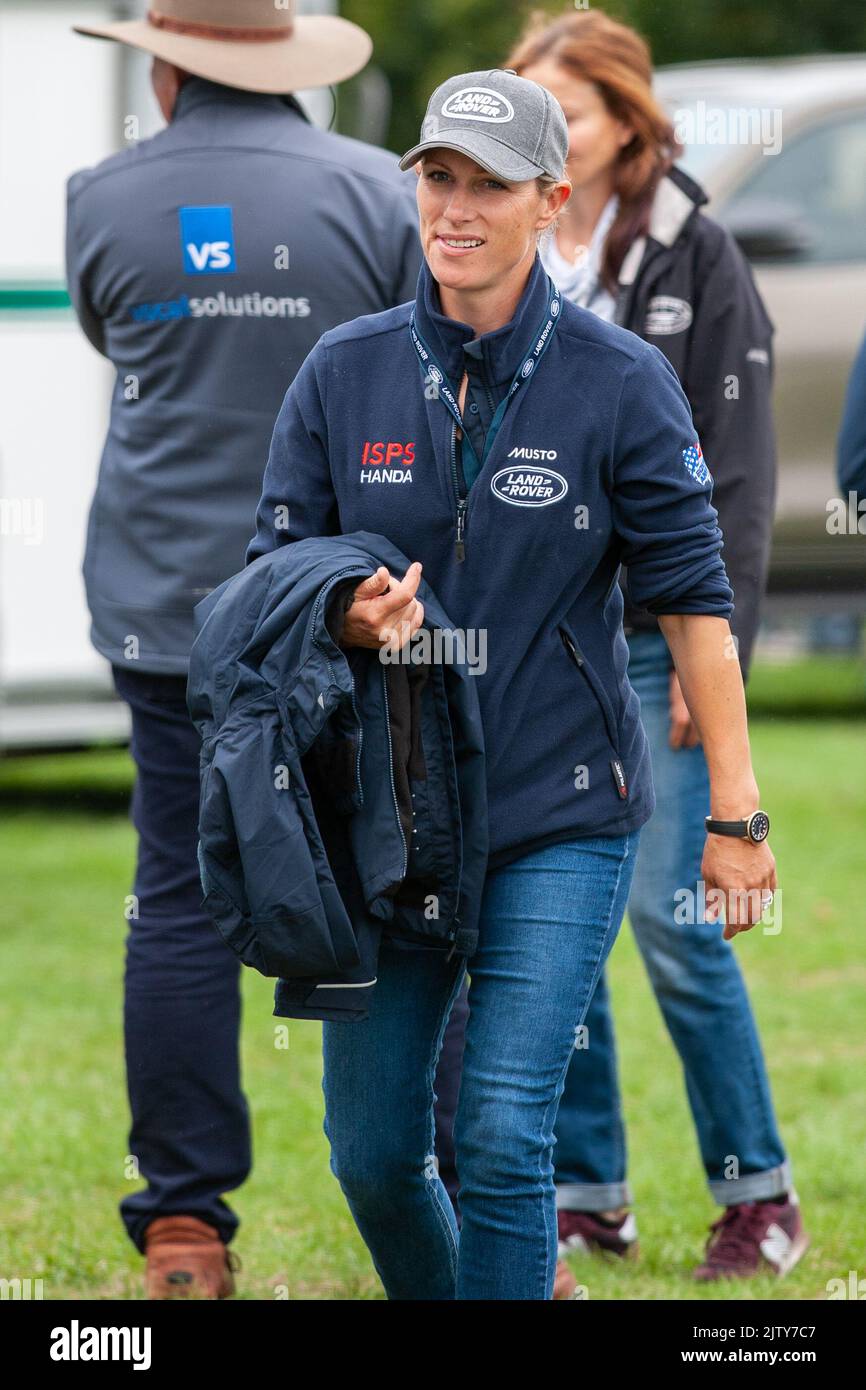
{"x": 485, "y": 399}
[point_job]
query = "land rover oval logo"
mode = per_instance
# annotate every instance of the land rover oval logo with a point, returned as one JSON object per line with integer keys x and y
{"x": 478, "y": 104}
{"x": 529, "y": 487}
{"x": 666, "y": 314}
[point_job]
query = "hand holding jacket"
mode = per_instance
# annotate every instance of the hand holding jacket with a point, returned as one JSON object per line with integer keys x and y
{"x": 385, "y": 611}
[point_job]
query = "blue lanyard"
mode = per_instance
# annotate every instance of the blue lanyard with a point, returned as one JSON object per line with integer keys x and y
{"x": 432, "y": 372}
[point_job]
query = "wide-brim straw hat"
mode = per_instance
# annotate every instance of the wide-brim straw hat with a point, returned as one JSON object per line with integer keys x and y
{"x": 257, "y": 45}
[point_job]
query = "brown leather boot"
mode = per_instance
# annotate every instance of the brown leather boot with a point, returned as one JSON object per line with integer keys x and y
{"x": 187, "y": 1259}
{"x": 565, "y": 1284}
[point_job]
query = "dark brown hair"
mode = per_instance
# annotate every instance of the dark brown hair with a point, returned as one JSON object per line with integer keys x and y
{"x": 589, "y": 45}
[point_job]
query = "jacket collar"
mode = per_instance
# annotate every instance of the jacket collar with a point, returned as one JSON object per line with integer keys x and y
{"x": 677, "y": 200}
{"x": 503, "y": 350}
{"x": 197, "y": 91}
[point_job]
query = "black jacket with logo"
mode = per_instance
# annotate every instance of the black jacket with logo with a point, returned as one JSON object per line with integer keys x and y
{"x": 687, "y": 288}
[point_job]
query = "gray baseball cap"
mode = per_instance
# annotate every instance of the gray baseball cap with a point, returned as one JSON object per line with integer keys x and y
{"x": 508, "y": 124}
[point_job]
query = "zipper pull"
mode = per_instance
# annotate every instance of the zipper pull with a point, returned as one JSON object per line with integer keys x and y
{"x": 570, "y": 647}
{"x": 461, "y": 524}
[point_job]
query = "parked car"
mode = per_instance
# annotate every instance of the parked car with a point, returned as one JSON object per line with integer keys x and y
{"x": 780, "y": 148}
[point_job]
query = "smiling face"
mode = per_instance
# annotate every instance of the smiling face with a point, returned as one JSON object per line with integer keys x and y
{"x": 595, "y": 137}
{"x": 477, "y": 230}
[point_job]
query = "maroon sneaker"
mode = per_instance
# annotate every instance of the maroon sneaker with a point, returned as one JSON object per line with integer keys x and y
{"x": 565, "y": 1284}
{"x": 597, "y": 1233}
{"x": 754, "y": 1238}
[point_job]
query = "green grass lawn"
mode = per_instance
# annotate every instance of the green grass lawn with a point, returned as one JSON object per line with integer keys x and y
{"x": 63, "y": 1120}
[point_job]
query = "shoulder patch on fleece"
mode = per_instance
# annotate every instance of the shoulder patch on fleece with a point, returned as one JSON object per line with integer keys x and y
{"x": 693, "y": 458}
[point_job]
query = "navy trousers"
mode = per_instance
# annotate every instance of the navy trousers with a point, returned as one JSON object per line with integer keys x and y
{"x": 190, "y": 1132}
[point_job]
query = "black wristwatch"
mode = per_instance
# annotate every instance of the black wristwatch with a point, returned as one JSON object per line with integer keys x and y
{"x": 755, "y": 827}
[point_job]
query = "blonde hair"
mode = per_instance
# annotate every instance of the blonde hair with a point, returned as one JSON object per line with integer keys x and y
{"x": 544, "y": 183}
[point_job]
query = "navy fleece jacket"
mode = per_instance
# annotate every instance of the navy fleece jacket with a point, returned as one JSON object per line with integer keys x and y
{"x": 596, "y": 463}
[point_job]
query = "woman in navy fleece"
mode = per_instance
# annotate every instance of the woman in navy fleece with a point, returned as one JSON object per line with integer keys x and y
{"x": 522, "y": 450}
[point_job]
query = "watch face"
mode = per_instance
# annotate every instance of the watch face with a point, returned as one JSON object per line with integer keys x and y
{"x": 759, "y": 826}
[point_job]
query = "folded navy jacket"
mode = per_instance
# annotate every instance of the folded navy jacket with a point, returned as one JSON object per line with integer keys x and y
{"x": 343, "y": 796}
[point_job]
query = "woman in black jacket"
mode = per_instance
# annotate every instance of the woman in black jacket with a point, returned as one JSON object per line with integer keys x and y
{"x": 678, "y": 280}
{"x": 633, "y": 246}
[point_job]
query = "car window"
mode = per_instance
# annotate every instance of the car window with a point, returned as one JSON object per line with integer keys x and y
{"x": 818, "y": 178}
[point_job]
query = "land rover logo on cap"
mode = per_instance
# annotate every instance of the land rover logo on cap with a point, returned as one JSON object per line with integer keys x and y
{"x": 478, "y": 104}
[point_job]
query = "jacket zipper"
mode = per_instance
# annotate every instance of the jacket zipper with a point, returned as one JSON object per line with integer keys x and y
{"x": 580, "y": 661}
{"x": 462, "y": 504}
{"x": 391, "y": 772}
{"x": 452, "y": 935}
{"x": 349, "y": 569}
{"x": 360, "y": 745}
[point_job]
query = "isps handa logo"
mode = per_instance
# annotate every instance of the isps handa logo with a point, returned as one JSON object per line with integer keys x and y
{"x": 387, "y": 462}
{"x": 207, "y": 240}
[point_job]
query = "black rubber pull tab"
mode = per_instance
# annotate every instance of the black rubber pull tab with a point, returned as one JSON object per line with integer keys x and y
{"x": 461, "y": 524}
{"x": 618, "y": 771}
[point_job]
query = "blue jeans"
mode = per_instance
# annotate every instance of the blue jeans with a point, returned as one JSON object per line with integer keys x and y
{"x": 190, "y": 1123}
{"x": 548, "y": 921}
{"x": 700, "y": 991}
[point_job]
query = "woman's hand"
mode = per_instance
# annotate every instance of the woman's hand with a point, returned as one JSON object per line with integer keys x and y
{"x": 384, "y": 611}
{"x": 737, "y": 875}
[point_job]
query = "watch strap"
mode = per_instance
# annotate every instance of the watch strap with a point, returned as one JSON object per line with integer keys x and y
{"x": 728, "y": 827}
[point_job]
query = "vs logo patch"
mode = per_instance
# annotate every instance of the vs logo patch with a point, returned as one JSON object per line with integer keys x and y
{"x": 207, "y": 240}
